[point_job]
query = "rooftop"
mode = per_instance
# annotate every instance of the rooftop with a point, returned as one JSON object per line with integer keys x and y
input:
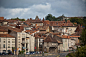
{"x": 2, "y": 30}
{"x": 6, "y": 35}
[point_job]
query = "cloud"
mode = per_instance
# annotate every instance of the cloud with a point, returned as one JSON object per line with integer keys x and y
{"x": 29, "y": 12}
{"x": 30, "y": 8}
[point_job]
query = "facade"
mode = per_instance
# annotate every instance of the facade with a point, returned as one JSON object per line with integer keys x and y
{"x": 50, "y": 45}
{"x": 2, "y": 31}
{"x": 7, "y": 43}
{"x": 24, "y": 41}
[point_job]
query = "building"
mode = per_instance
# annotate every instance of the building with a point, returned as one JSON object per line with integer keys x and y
{"x": 39, "y": 37}
{"x": 50, "y": 45}
{"x": 2, "y": 31}
{"x": 7, "y": 43}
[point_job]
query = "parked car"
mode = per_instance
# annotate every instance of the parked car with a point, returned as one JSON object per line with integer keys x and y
{"x": 10, "y": 53}
{"x": 32, "y": 52}
{"x": 4, "y": 53}
{"x": 27, "y": 52}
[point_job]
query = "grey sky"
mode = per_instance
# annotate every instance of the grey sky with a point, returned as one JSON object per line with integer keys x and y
{"x": 31, "y": 8}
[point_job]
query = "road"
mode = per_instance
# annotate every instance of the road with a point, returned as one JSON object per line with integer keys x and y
{"x": 62, "y": 54}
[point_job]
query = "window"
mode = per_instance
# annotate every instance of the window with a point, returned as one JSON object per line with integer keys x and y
{"x": 13, "y": 41}
{"x": 19, "y": 41}
{"x": 8, "y": 41}
{"x": 3, "y": 41}
{"x": 3, "y": 45}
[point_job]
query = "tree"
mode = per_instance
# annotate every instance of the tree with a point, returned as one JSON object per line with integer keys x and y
{"x": 83, "y": 36}
{"x": 50, "y": 17}
{"x": 81, "y": 52}
{"x": 17, "y": 19}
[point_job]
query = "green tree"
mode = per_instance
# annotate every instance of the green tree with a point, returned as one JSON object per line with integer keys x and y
{"x": 81, "y": 52}
{"x": 77, "y": 20}
{"x": 49, "y": 17}
{"x": 83, "y": 36}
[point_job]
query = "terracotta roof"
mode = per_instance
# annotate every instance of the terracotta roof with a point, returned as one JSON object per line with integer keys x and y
{"x": 1, "y": 18}
{"x": 50, "y": 39}
{"x": 55, "y": 33}
{"x": 38, "y": 35}
{"x": 15, "y": 29}
{"x": 64, "y": 36}
{"x": 31, "y": 31}
{"x": 67, "y": 37}
{"x": 42, "y": 27}
{"x": 74, "y": 36}
{"x": 43, "y": 32}
{"x": 12, "y": 24}
{"x": 2, "y": 30}
{"x": 59, "y": 41}
{"x": 78, "y": 28}
{"x": 34, "y": 21}
{"x": 6, "y": 35}
{"x": 58, "y": 23}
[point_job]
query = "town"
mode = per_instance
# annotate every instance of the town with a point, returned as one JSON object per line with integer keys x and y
{"x": 38, "y": 36}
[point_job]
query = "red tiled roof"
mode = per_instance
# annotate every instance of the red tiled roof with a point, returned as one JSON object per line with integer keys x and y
{"x": 1, "y": 18}
{"x": 31, "y": 31}
{"x": 41, "y": 27}
{"x": 2, "y": 30}
{"x": 15, "y": 29}
{"x": 50, "y": 39}
{"x": 6, "y": 35}
{"x": 58, "y": 23}
{"x": 59, "y": 41}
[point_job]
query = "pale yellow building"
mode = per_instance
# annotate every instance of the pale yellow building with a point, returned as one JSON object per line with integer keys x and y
{"x": 7, "y": 42}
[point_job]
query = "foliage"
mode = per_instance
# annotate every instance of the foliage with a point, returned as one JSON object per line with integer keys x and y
{"x": 78, "y": 20}
{"x": 81, "y": 52}
{"x": 83, "y": 36}
{"x": 53, "y": 18}
{"x": 21, "y": 52}
{"x": 17, "y": 19}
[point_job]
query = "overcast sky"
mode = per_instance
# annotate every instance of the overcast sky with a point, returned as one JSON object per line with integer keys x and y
{"x": 32, "y": 8}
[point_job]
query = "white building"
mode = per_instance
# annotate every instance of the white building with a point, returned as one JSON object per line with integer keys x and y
{"x": 7, "y": 42}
